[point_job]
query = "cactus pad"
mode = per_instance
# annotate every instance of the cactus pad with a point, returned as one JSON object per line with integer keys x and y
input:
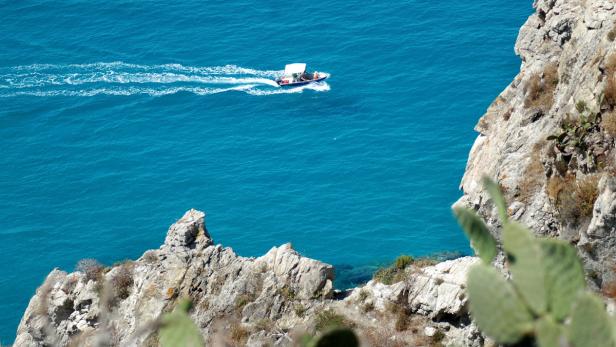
{"x": 476, "y": 230}
{"x": 497, "y": 197}
{"x": 590, "y": 324}
{"x": 549, "y": 333}
{"x": 177, "y": 329}
{"x": 564, "y": 276}
{"x": 526, "y": 265}
{"x": 496, "y": 307}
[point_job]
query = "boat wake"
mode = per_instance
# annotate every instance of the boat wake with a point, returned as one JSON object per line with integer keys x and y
{"x": 118, "y": 78}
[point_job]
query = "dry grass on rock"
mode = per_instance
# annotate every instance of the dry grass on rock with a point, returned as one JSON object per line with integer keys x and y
{"x": 574, "y": 198}
{"x": 122, "y": 281}
{"x": 534, "y": 175}
{"x": 609, "y": 91}
{"x": 540, "y": 88}
{"x": 608, "y": 123}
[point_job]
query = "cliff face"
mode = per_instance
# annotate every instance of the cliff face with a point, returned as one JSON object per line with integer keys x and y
{"x": 261, "y": 301}
{"x": 548, "y": 138}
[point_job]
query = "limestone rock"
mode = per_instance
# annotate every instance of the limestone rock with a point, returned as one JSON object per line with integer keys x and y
{"x": 576, "y": 39}
{"x": 439, "y": 290}
{"x": 269, "y": 297}
{"x": 436, "y": 292}
{"x": 598, "y": 245}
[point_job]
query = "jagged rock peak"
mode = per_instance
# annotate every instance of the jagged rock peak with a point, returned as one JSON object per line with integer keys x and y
{"x": 188, "y": 232}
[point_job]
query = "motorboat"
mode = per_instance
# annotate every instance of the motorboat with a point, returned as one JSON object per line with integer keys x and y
{"x": 295, "y": 75}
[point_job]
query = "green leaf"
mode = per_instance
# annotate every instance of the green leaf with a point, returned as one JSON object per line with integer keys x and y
{"x": 496, "y": 307}
{"x": 548, "y": 333}
{"x": 564, "y": 276}
{"x": 477, "y": 232}
{"x": 177, "y": 329}
{"x": 590, "y": 324}
{"x": 497, "y": 197}
{"x": 526, "y": 265}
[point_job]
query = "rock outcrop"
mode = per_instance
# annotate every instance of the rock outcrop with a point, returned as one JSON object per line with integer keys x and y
{"x": 237, "y": 300}
{"x": 548, "y": 138}
{"x": 436, "y": 292}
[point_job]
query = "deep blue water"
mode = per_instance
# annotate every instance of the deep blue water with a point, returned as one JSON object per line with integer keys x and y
{"x": 118, "y": 116}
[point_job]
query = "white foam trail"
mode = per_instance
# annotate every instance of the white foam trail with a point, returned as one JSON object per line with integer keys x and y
{"x": 248, "y": 89}
{"x": 319, "y": 87}
{"x": 41, "y": 80}
{"x": 226, "y": 69}
{"x": 119, "y": 78}
{"x": 129, "y": 91}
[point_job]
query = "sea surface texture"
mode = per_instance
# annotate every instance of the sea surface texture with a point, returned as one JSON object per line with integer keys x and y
{"x": 118, "y": 116}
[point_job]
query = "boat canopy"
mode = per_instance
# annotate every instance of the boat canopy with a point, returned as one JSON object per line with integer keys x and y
{"x": 291, "y": 69}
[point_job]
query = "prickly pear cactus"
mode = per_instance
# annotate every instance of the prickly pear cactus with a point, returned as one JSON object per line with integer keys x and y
{"x": 476, "y": 230}
{"x": 590, "y": 324}
{"x": 564, "y": 276}
{"x": 549, "y": 333}
{"x": 545, "y": 298}
{"x": 498, "y": 199}
{"x": 490, "y": 294}
{"x": 177, "y": 329}
{"x": 526, "y": 265}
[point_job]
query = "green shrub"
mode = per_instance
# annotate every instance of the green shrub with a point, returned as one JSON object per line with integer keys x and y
{"x": 243, "y": 300}
{"x": 403, "y": 261}
{"x": 299, "y": 309}
{"x": 287, "y": 293}
{"x": 397, "y": 272}
{"x": 385, "y": 275}
{"x": 425, "y": 262}
{"x": 581, "y": 106}
{"x": 329, "y": 319}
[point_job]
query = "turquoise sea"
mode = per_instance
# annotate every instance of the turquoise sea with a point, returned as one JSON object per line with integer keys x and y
{"x": 118, "y": 116}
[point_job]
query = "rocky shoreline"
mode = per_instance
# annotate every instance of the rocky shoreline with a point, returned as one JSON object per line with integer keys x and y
{"x": 270, "y": 300}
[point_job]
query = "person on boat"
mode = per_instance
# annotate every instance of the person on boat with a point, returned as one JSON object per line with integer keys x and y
{"x": 315, "y": 76}
{"x": 304, "y": 77}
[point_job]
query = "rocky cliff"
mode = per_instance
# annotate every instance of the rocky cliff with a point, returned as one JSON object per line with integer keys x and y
{"x": 548, "y": 138}
{"x": 266, "y": 301}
